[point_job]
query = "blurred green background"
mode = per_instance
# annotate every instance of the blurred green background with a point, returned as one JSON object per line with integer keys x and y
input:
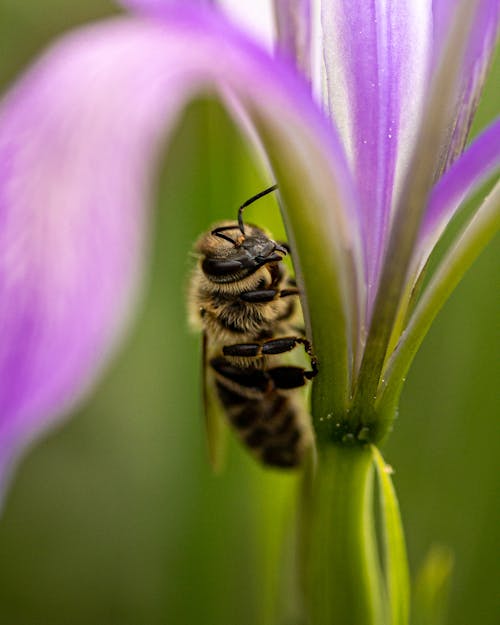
{"x": 115, "y": 518}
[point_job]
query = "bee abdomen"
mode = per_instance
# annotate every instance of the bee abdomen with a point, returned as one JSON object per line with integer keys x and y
{"x": 275, "y": 435}
{"x": 267, "y": 420}
{"x": 235, "y": 320}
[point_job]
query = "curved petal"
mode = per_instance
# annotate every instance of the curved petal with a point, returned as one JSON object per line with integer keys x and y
{"x": 477, "y": 164}
{"x": 155, "y": 5}
{"x": 482, "y": 35}
{"x": 78, "y": 140}
{"x": 478, "y": 52}
{"x": 376, "y": 56}
{"x": 294, "y": 26}
{"x": 256, "y": 18}
{"x": 472, "y": 240}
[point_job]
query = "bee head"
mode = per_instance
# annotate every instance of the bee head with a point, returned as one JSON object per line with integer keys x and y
{"x": 232, "y": 251}
{"x": 228, "y": 255}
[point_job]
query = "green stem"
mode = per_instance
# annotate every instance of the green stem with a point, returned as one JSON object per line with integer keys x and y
{"x": 342, "y": 576}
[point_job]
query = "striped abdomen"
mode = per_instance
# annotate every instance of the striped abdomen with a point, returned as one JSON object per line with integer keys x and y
{"x": 268, "y": 419}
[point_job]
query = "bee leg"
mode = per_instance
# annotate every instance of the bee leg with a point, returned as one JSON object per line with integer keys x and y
{"x": 250, "y": 350}
{"x": 287, "y": 292}
{"x": 261, "y": 296}
{"x": 271, "y": 347}
{"x": 288, "y": 377}
{"x": 254, "y": 379}
{"x": 245, "y": 350}
{"x": 284, "y": 245}
{"x": 286, "y": 344}
{"x": 312, "y": 358}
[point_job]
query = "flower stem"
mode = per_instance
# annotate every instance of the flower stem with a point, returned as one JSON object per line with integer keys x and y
{"x": 342, "y": 577}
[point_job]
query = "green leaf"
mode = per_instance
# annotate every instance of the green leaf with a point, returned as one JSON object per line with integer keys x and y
{"x": 395, "y": 560}
{"x": 432, "y": 587}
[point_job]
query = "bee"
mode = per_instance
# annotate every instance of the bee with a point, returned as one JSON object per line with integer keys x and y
{"x": 247, "y": 305}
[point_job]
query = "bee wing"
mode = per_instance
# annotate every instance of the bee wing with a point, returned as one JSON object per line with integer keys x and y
{"x": 215, "y": 423}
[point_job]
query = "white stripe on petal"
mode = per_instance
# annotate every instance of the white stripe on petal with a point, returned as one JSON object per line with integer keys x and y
{"x": 413, "y": 89}
{"x": 256, "y": 17}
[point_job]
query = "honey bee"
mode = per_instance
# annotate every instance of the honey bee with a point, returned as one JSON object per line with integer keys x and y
{"x": 247, "y": 306}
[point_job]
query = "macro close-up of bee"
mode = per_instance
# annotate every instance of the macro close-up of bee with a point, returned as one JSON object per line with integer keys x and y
{"x": 247, "y": 305}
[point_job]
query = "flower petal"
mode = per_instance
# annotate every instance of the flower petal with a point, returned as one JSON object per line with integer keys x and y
{"x": 409, "y": 212}
{"x": 376, "y": 56}
{"x": 477, "y": 164}
{"x": 155, "y": 5}
{"x": 474, "y": 237}
{"x": 294, "y": 25}
{"x": 479, "y": 49}
{"x": 78, "y": 140}
{"x": 256, "y": 18}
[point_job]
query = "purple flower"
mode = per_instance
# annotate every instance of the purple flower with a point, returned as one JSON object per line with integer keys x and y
{"x": 366, "y": 147}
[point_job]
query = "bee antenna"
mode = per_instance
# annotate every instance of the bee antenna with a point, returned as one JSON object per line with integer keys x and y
{"x": 251, "y": 201}
{"x": 218, "y": 233}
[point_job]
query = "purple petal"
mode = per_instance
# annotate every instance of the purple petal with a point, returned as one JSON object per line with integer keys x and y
{"x": 78, "y": 139}
{"x": 480, "y": 47}
{"x": 376, "y": 59}
{"x": 255, "y": 18}
{"x": 389, "y": 305}
{"x": 477, "y": 164}
{"x": 294, "y": 26}
{"x": 155, "y": 5}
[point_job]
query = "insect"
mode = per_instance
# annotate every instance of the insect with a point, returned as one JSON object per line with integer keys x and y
{"x": 247, "y": 306}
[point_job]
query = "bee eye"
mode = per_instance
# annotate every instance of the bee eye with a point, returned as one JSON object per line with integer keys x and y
{"x": 217, "y": 267}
